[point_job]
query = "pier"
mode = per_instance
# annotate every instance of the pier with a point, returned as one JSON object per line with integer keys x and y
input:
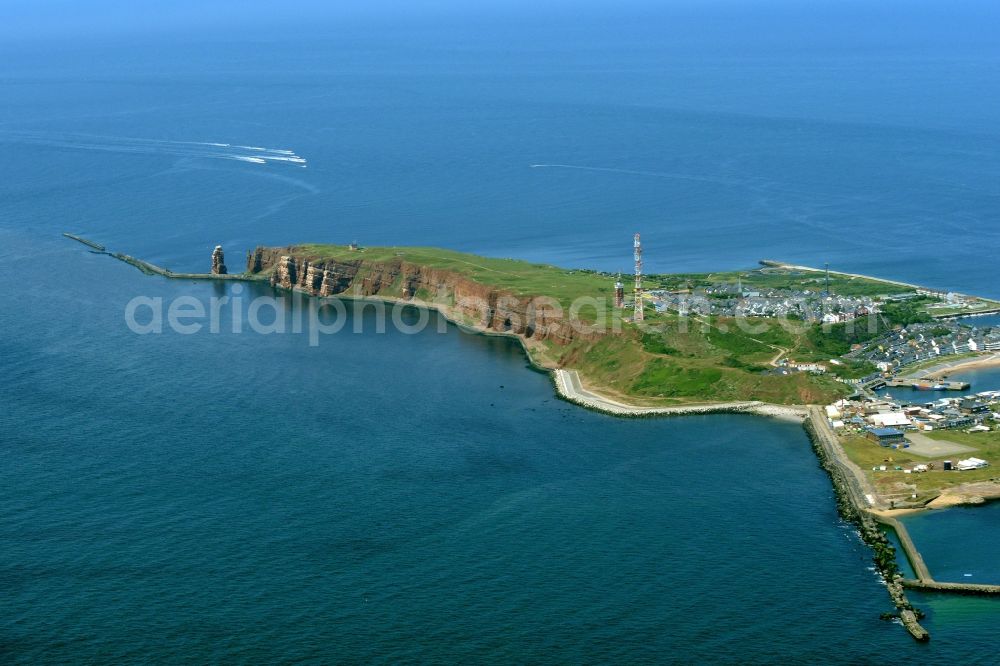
{"x": 874, "y": 384}
{"x": 927, "y": 384}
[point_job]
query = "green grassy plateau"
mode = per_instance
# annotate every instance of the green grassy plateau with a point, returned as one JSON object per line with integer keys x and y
{"x": 669, "y": 360}
{"x": 867, "y": 454}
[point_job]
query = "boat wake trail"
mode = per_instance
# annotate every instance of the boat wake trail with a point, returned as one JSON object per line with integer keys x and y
{"x": 634, "y": 172}
{"x": 132, "y": 145}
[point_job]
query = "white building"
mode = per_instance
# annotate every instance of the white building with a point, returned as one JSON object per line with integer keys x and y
{"x": 890, "y": 420}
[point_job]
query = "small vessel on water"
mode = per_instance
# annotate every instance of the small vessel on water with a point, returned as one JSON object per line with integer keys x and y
{"x": 925, "y": 386}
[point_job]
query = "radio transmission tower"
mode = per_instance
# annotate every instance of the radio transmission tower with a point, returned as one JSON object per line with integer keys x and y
{"x": 638, "y": 278}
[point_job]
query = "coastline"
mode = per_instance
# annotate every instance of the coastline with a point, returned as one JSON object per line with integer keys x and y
{"x": 857, "y": 500}
{"x": 968, "y": 364}
{"x": 993, "y": 309}
{"x": 449, "y": 316}
{"x": 570, "y": 388}
{"x": 853, "y": 494}
{"x": 566, "y": 381}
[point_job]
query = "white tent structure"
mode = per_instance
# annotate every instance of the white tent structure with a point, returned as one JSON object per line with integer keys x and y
{"x": 972, "y": 463}
{"x": 889, "y": 420}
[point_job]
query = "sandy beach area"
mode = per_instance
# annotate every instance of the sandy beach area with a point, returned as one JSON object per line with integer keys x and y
{"x": 969, "y": 364}
{"x": 895, "y": 513}
{"x": 967, "y": 494}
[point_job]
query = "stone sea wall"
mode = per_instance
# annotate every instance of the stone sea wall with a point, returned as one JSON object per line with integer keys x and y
{"x": 852, "y": 507}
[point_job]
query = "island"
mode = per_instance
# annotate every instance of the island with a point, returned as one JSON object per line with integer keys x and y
{"x": 778, "y": 339}
{"x": 777, "y": 334}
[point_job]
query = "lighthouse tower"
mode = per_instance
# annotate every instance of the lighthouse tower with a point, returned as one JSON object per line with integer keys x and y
{"x": 637, "y": 252}
{"x": 619, "y": 293}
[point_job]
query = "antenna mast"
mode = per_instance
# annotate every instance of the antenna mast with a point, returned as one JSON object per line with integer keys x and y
{"x": 638, "y": 278}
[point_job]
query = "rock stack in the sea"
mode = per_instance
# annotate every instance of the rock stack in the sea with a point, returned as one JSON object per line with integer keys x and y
{"x": 285, "y": 273}
{"x": 218, "y": 261}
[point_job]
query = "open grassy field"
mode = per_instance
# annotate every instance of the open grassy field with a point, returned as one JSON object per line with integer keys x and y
{"x": 518, "y": 277}
{"x": 867, "y": 454}
{"x": 680, "y": 360}
{"x": 670, "y": 360}
{"x": 527, "y": 278}
{"x": 766, "y": 278}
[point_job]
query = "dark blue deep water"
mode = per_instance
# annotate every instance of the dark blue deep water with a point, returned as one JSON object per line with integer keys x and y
{"x": 391, "y": 497}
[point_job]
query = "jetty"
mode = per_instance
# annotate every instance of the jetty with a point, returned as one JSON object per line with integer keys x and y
{"x": 152, "y": 269}
{"x": 924, "y": 580}
{"x": 89, "y": 243}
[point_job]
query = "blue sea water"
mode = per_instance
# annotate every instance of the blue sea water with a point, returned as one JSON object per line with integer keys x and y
{"x": 979, "y": 379}
{"x": 389, "y": 497}
{"x": 938, "y": 531}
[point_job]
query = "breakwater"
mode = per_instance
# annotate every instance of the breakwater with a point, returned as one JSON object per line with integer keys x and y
{"x": 924, "y": 580}
{"x": 853, "y": 505}
{"x": 89, "y": 243}
{"x": 977, "y": 589}
{"x": 152, "y": 269}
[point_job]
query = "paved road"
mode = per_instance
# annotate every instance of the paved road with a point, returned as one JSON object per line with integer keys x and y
{"x": 863, "y": 493}
{"x": 924, "y": 446}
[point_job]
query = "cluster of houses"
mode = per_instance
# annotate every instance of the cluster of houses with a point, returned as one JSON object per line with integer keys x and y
{"x": 885, "y": 421}
{"x": 733, "y": 300}
{"x": 922, "y": 342}
{"x": 813, "y": 368}
{"x": 790, "y": 367}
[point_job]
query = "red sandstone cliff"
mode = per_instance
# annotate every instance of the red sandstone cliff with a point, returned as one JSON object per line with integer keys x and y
{"x": 533, "y": 318}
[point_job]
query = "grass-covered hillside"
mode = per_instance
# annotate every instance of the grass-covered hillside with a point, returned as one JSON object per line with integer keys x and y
{"x": 669, "y": 359}
{"x": 676, "y": 361}
{"x": 518, "y": 277}
{"x": 768, "y": 278}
